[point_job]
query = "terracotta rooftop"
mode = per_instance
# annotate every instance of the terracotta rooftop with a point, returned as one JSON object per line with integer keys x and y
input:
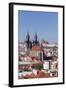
{"x": 40, "y": 74}
{"x": 37, "y": 48}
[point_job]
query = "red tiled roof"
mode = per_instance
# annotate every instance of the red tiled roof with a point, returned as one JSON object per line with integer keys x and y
{"x": 37, "y": 48}
{"x": 33, "y": 57}
{"x": 42, "y": 74}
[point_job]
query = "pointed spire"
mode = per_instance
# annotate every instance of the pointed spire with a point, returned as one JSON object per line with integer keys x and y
{"x": 27, "y": 37}
{"x": 36, "y": 39}
{"x": 28, "y": 42}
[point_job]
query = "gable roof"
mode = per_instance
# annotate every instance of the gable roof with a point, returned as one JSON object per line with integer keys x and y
{"x": 36, "y": 48}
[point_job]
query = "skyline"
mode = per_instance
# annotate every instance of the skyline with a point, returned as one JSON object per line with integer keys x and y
{"x": 45, "y": 24}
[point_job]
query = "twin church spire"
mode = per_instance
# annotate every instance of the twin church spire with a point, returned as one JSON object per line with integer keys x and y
{"x": 29, "y": 42}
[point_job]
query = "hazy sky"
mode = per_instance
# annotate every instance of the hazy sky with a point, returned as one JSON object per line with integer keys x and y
{"x": 45, "y": 24}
